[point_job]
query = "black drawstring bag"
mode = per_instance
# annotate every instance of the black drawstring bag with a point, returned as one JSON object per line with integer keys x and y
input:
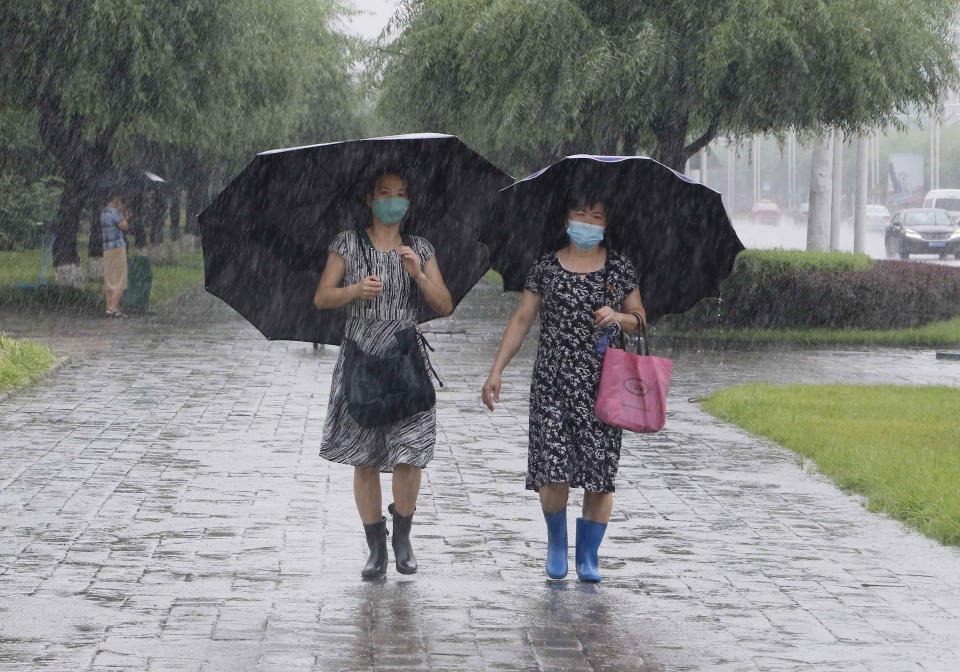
{"x": 382, "y": 389}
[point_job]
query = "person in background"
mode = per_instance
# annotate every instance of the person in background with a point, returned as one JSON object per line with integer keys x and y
{"x": 113, "y": 222}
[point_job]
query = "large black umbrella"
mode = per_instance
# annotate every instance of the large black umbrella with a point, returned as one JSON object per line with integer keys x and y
{"x": 265, "y": 237}
{"x": 676, "y": 231}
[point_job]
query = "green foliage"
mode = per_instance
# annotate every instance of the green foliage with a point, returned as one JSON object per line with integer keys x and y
{"x": 529, "y": 80}
{"x": 780, "y": 261}
{"x": 796, "y": 290}
{"x": 26, "y": 208}
{"x": 190, "y": 88}
{"x": 494, "y": 278}
{"x": 22, "y": 362}
{"x": 895, "y": 445}
{"x": 218, "y": 77}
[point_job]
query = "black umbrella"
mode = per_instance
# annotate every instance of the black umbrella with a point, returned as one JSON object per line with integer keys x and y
{"x": 676, "y": 231}
{"x": 265, "y": 237}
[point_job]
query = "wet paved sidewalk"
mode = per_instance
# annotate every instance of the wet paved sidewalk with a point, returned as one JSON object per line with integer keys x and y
{"x": 162, "y": 508}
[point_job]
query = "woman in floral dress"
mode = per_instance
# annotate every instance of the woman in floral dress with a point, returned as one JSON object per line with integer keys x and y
{"x": 579, "y": 291}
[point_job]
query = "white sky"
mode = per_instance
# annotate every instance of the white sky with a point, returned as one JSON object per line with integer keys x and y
{"x": 376, "y": 14}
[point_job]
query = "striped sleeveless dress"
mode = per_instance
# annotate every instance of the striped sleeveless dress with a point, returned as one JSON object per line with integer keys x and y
{"x": 372, "y": 325}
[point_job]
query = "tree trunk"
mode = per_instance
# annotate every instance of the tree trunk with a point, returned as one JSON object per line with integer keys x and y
{"x": 630, "y": 143}
{"x": 139, "y": 217}
{"x": 176, "y": 213}
{"x": 196, "y": 196}
{"x": 158, "y": 212}
{"x": 63, "y": 139}
{"x": 836, "y": 192}
{"x": 860, "y": 208}
{"x": 95, "y": 245}
{"x": 821, "y": 176}
{"x": 67, "y": 221}
{"x": 671, "y": 147}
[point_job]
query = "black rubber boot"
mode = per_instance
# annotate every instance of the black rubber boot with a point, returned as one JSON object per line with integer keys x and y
{"x": 376, "y": 566}
{"x": 402, "y": 551}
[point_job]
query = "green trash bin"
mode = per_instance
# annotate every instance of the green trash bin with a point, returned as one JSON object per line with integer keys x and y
{"x": 139, "y": 283}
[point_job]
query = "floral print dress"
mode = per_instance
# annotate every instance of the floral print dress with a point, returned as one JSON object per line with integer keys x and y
{"x": 568, "y": 444}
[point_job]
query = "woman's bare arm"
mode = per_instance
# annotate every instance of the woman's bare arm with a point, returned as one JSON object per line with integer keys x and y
{"x": 606, "y": 316}
{"x": 434, "y": 290}
{"x": 513, "y": 337}
{"x": 331, "y": 295}
{"x": 632, "y": 304}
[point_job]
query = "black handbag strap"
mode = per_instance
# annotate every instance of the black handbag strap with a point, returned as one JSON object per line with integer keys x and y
{"x": 642, "y": 335}
{"x": 424, "y": 344}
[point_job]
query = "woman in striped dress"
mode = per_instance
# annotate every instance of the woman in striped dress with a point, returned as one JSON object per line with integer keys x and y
{"x": 376, "y": 273}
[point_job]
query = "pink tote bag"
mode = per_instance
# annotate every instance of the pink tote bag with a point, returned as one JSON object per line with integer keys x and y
{"x": 633, "y": 390}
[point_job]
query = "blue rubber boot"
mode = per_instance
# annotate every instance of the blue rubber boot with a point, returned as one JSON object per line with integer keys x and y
{"x": 589, "y": 536}
{"x": 556, "y": 544}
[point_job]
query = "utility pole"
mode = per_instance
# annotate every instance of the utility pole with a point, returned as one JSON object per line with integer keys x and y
{"x": 818, "y": 220}
{"x": 791, "y": 171}
{"x": 703, "y": 166}
{"x": 876, "y": 170}
{"x": 836, "y": 192}
{"x": 935, "y": 152}
{"x": 860, "y": 211}
{"x": 755, "y": 160}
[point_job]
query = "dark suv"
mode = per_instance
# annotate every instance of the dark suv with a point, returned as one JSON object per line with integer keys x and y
{"x": 922, "y": 231}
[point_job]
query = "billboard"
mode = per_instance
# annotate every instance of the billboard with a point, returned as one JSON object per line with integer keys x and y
{"x": 904, "y": 181}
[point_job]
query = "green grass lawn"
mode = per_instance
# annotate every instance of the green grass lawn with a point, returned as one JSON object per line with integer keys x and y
{"x": 22, "y": 362}
{"x": 929, "y": 335}
{"x": 897, "y": 446}
{"x": 169, "y": 282}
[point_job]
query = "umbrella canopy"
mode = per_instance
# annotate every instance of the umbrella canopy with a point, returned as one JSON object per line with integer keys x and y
{"x": 676, "y": 231}
{"x": 265, "y": 237}
{"x": 128, "y": 180}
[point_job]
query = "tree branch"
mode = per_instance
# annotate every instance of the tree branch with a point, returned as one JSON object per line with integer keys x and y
{"x": 702, "y": 141}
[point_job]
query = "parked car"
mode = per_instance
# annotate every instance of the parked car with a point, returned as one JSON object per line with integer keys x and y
{"x": 802, "y": 214}
{"x": 877, "y": 217}
{"x": 944, "y": 199}
{"x": 765, "y": 211}
{"x": 922, "y": 231}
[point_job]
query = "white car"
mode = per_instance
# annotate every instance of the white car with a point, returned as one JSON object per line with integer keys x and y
{"x": 877, "y": 217}
{"x": 944, "y": 199}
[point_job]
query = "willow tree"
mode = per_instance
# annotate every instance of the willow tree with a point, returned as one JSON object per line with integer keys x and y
{"x": 527, "y": 80}
{"x": 208, "y": 77}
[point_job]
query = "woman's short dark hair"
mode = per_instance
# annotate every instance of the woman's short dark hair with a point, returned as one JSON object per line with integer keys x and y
{"x": 375, "y": 177}
{"x": 574, "y": 201}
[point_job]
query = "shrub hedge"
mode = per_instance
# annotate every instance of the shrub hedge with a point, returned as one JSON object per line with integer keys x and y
{"x": 787, "y": 289}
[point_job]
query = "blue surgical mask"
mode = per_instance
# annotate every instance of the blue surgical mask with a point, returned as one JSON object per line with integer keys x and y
{"x": 390, "y": 210}
{"x": 585, "y": 236}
